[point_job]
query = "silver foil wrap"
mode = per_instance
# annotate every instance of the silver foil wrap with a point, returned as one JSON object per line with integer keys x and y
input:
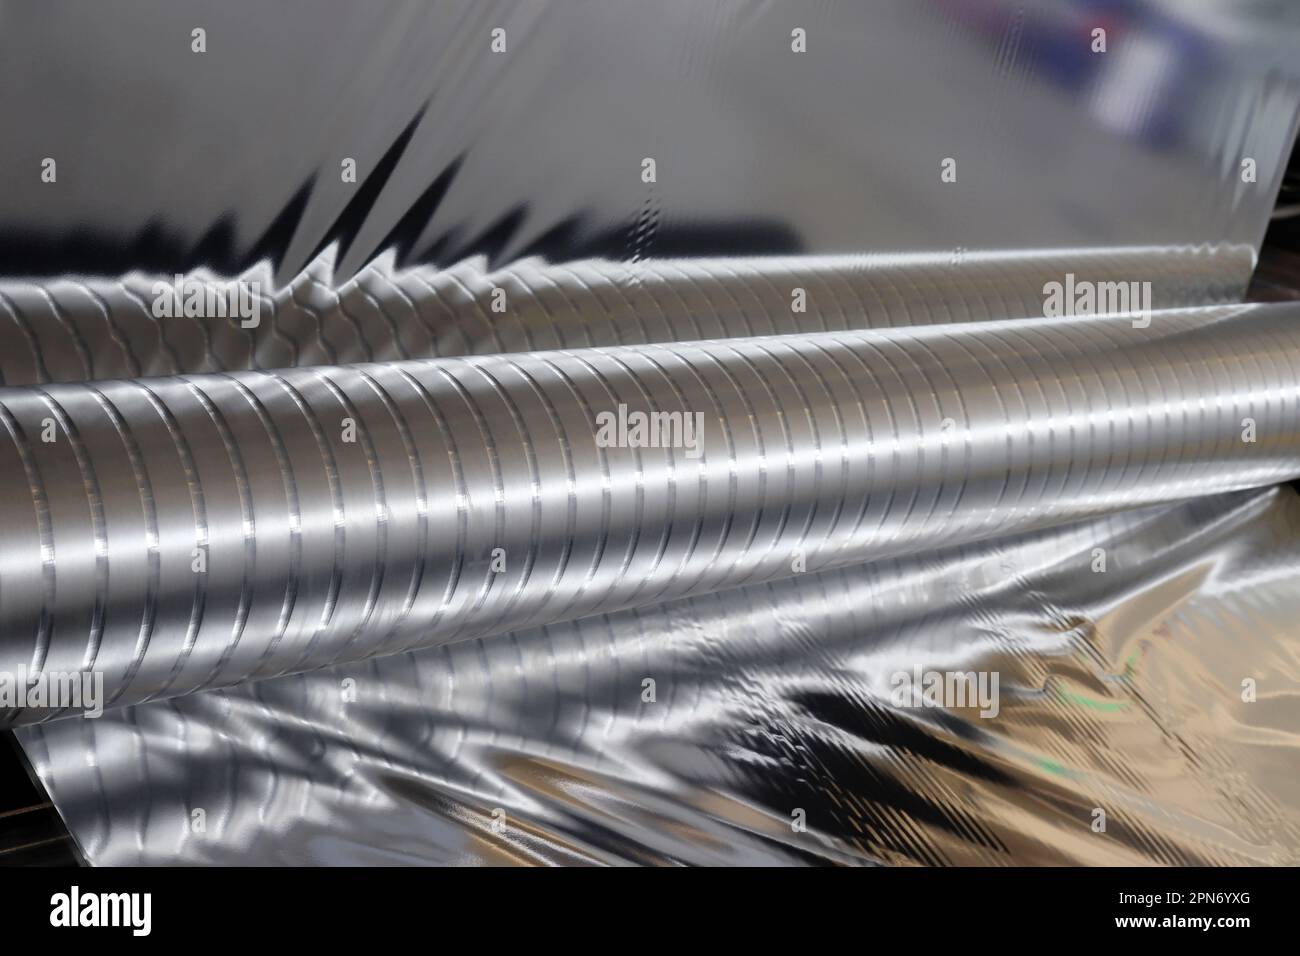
{"x": 376, "y": 572}
{"x": 203, "y": 530}
{"x": 1121, "y": 690}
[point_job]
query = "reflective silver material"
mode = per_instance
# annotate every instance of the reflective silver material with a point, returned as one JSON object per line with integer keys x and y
{"x": 171, "y": 159}
{"x": 240, "y": 526}
{"x": 1119, "y": 690}
{"x": 71, "y": 330}
{"x": 389, "y": 485}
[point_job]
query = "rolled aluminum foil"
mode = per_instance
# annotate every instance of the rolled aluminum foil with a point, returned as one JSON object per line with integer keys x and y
{"x": 567, "y": 433}
{"x": 181, "y": 533}
{"x": 84, "y": 329}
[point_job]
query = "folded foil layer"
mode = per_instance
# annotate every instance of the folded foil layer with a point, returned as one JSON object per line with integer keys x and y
{"x": 82, "y": 329}
{"x": 197, "y": 531}
{"x": 1121, "y": 691}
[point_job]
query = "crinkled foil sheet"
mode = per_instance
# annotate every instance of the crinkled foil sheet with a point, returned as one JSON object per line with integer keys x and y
{"x": 438, "y": 621}
{"x": 1120, "y": 690}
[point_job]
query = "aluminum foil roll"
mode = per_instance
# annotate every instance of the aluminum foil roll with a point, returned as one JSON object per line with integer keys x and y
{"x": 197, "y": 531}
{"x": 499, "y": 432}
{"x": 83, "y": 329}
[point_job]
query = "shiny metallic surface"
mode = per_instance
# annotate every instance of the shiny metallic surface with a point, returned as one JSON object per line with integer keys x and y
{"x": 239, "y": 526}
{"x": 69, "y": 330}
{"x": 1119, "y": 690}
{"x": 171, "y": 159}
{"x": 370, "y": 577}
